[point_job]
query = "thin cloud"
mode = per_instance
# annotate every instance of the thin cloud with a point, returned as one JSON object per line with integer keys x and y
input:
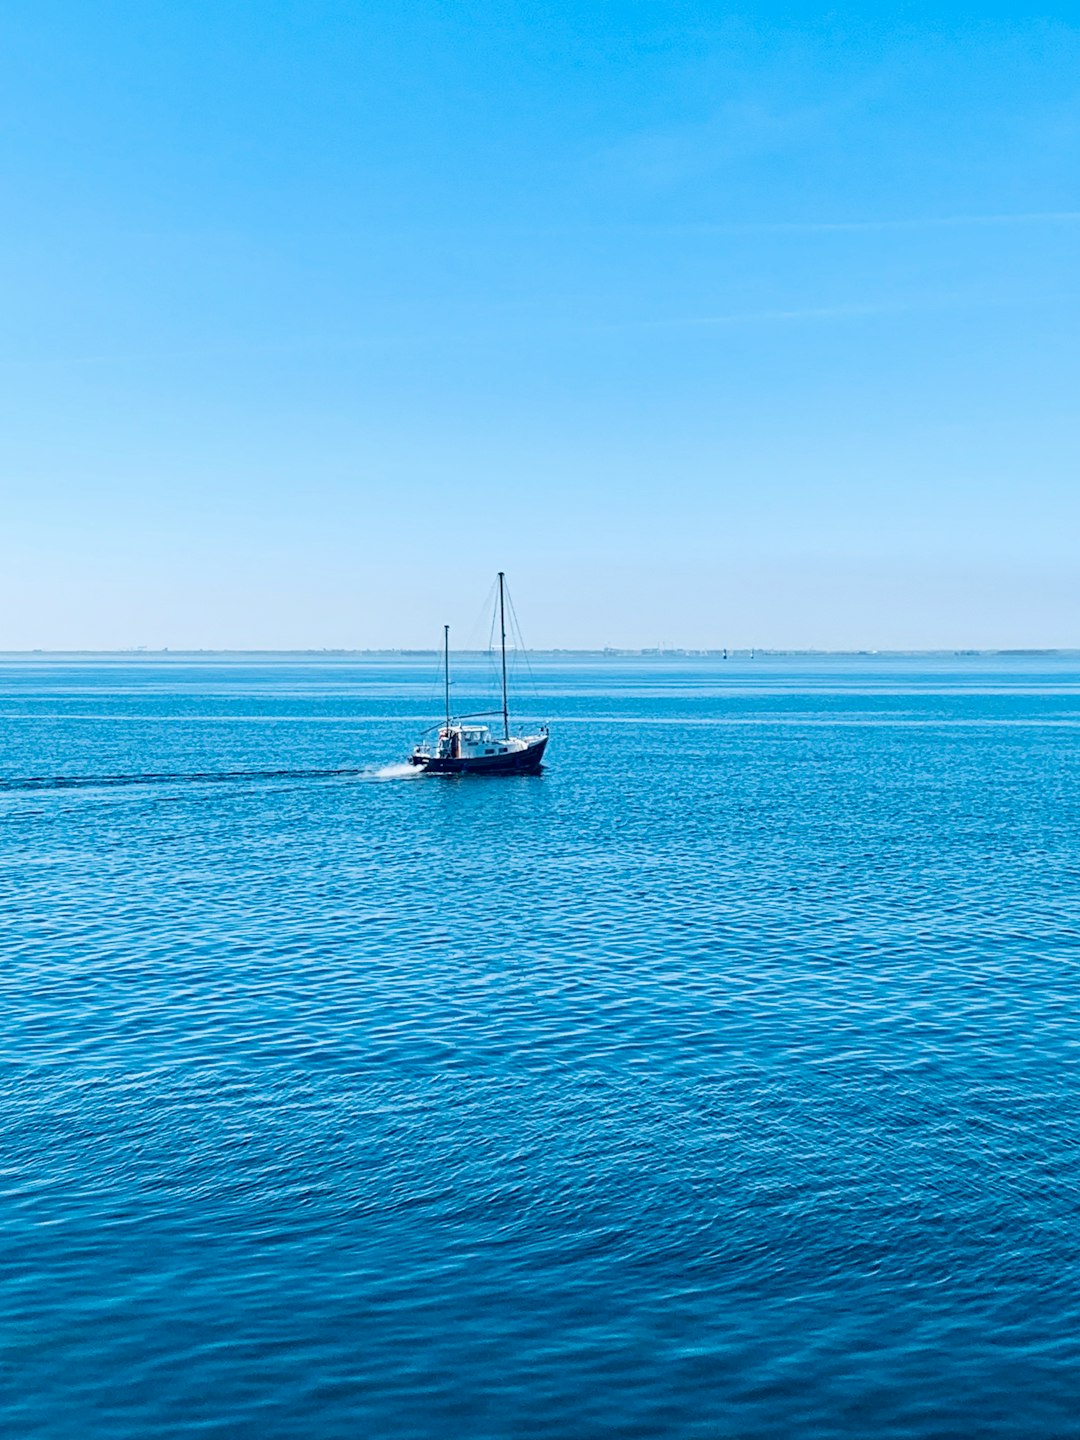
{"x": 855, "y": 310}
{"x": 922, "y": 222}
{"x": 812, "y": 312}
{"x": 740, "y": 130}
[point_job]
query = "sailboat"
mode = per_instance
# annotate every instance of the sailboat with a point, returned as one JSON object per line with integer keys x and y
{"x": 463, "y": 747}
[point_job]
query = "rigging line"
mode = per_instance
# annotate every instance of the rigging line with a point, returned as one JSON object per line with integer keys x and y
{"x": 476, "y": 630}
{"x": 493, "y": 664}
{"x": 521, "y": 642}
{"x": 476, "y": 678}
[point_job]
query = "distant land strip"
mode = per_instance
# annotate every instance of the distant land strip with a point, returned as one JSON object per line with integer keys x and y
{"x": 744, "y": 652}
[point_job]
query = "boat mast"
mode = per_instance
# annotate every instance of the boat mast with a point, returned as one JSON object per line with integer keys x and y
{"x": 446, "y": 669}
{"x": 502, "y": 627}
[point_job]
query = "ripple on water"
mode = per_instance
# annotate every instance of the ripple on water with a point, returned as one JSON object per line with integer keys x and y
{"x": 727, "y": 1092}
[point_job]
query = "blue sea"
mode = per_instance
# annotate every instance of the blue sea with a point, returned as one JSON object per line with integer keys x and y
{"x": 720, "y": 1081}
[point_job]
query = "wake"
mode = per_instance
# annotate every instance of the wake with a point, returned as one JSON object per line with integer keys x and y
{"x": 400, "y": 771}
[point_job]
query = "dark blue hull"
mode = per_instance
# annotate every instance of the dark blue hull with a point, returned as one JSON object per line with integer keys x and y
{"x": 518, "y": 762}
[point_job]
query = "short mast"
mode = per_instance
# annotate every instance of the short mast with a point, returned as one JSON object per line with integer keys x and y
{"x": 502, "y": 627}
{"x": 446, "y": 670}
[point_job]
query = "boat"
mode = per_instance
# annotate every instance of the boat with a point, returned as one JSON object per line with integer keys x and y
{"x": 464, "y": 747}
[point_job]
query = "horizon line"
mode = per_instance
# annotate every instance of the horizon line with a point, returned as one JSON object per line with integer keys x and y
{"x": 606, "y": 651}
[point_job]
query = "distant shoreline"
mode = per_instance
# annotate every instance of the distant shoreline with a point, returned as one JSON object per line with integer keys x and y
{"x": 608, "y": 653}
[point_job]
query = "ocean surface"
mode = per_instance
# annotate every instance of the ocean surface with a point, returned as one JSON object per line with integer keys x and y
{"x": 722, "y": 1080}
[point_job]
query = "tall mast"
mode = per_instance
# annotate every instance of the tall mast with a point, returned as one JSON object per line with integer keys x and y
{"x": 502, "y": 627}
{"x": 446, "y": 669}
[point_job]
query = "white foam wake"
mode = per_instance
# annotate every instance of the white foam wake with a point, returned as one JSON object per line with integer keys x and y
{"x": 401, "y": 770}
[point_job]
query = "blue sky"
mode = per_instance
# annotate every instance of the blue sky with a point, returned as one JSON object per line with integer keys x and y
{"x": 748, "y": 326}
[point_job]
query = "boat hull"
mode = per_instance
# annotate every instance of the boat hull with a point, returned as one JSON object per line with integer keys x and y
{"x": 516, "y": 762}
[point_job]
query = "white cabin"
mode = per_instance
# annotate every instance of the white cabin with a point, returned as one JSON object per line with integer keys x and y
{"x": 472, "y": 742}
